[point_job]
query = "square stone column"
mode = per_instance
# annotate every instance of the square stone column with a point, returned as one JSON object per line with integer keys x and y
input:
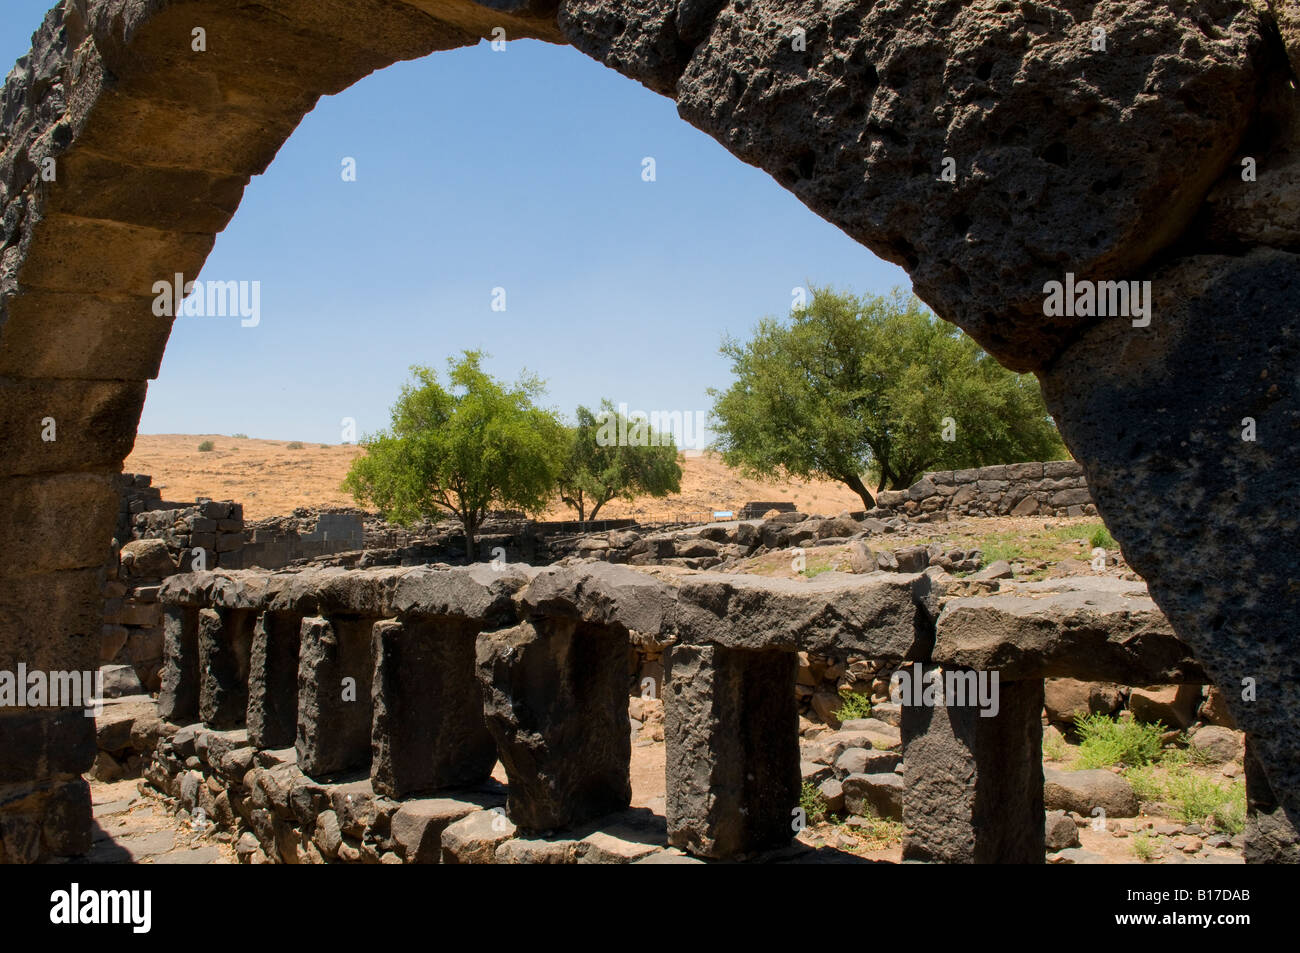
{"x": 973, "y": 785}
{"x": 178, "y": 699}
{"x": 428, "y": 730}
{"x": 225, "y": 644}
{"x": 273, "y": 680}
{"x": 555, "y": 699}
{"x": 334, "y": 675}
{"x": 731, "y": 723}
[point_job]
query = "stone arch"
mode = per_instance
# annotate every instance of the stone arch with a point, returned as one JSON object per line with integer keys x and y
{"x": 1106, "y": 155}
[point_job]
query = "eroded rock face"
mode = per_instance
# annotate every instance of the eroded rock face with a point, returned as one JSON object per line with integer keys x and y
{"x": 1159, "y": 416}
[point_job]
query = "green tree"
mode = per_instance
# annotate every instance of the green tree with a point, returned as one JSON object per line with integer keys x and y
{"x": 876, "y": 387}
{"x": 599, "y": 468}
{"x": 475, "y": 446}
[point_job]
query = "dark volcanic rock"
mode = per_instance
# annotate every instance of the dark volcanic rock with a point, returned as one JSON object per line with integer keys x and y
{"x": 1053, "y": 142}
{"x": 1209, "y": 519}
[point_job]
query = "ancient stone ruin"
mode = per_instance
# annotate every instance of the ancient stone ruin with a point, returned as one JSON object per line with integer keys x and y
{"x": 992, "y": 149}
{"x": 456, "y": 668}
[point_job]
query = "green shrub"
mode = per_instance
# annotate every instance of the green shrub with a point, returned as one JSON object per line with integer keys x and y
{"x": 239, "y": 436}
{"x": 1106, "y": 741}
{"x": 293, "y": 445}
{"x": 1198, "y": 800}
{"x": 206, "y": 446}
{"x": 1146, "y": 782}
{"x": 1101, "y": 537}
{"x": 855, "y": 705}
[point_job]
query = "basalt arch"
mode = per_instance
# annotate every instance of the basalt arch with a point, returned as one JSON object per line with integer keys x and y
{"x": 988, "y": 147}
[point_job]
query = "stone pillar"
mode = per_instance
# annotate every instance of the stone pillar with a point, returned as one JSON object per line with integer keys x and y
{"x": 555, "y": 699}
{"x": 1271, "y": 836}
{"x": 973, "y": 785}
{"x": 273, "y": 680}
{"x": 178, "y": 699}
{"x": 428, "y": 730}
{"x": 334, "y": 673}
{"x": 731, "y": 724}
{"x": 225, "y": 643}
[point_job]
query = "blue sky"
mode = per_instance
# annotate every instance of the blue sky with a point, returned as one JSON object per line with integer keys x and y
{"x": 476, "y": 170}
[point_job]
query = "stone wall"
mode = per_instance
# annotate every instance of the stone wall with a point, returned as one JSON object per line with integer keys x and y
{"x": 1055, "y": 488}
{"x": 530, "y": 666}
{"x": 276, "y": 542}
{"x": 214, "y": 526}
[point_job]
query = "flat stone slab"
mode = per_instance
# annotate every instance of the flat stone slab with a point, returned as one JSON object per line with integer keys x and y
{"x": 880, "y": 615}
{"x": 1092, "y": 628}
{"x": 602, "y": 594}
{"x": 199, "y": 855}
{"x": 147, "y": 845}
{"x": 418, "y": 824}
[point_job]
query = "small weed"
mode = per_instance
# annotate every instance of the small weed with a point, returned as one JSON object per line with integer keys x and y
{"x": 1055, "y": 747}
{"x": 855, "y": 705}
{"x": 1145, "y": 847}
{"x": 206, "y": 447}
{"x": 878, "y": 832}
{"x": 813, "y": 803}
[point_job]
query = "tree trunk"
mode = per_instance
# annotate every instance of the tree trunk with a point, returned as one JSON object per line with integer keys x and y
{"x": 854, "y": 483}
{"x": 471, "y": 528}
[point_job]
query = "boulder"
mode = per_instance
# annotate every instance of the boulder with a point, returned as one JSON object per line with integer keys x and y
{"x": 474, "y": 839}
{"x": 1173, "y": 706}
{"x": 1066, "y": 699}
{"x": 1060, "y": 831}
{"x": 146, "y": 559}
{"x": 1084, "y": 791}
{"x": 879, "y": 794}
{"x": 417, "y": 825}
{"x": 1218, "y": 744}
{"x": 1214, "y": 709}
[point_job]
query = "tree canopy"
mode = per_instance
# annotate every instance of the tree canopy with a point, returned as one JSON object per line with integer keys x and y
{"x": 597, "y": 469}
{"x": 873, "y": 387}
{"x": 465, "y": 449}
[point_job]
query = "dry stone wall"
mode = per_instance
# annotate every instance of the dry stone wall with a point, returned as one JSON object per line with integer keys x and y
{"x": 1055, "y": 488}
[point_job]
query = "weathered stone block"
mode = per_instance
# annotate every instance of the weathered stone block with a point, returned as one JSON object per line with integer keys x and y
{"x": 334, "y": 709}
{"x": 178, "y": 700}
{"x": 225, "y": 643}
{"x": 555, "y": 700}
{"x": 973, "y": 785}
{"x": 273, "y": 680}
{"x": 428, "y": 730}
{"x": 731, "y": 724}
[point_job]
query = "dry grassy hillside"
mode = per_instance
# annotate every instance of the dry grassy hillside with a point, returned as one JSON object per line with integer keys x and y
{"x": 270, "y": 479}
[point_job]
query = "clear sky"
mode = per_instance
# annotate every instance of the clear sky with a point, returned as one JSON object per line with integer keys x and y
{"x": 479, "y": 170}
